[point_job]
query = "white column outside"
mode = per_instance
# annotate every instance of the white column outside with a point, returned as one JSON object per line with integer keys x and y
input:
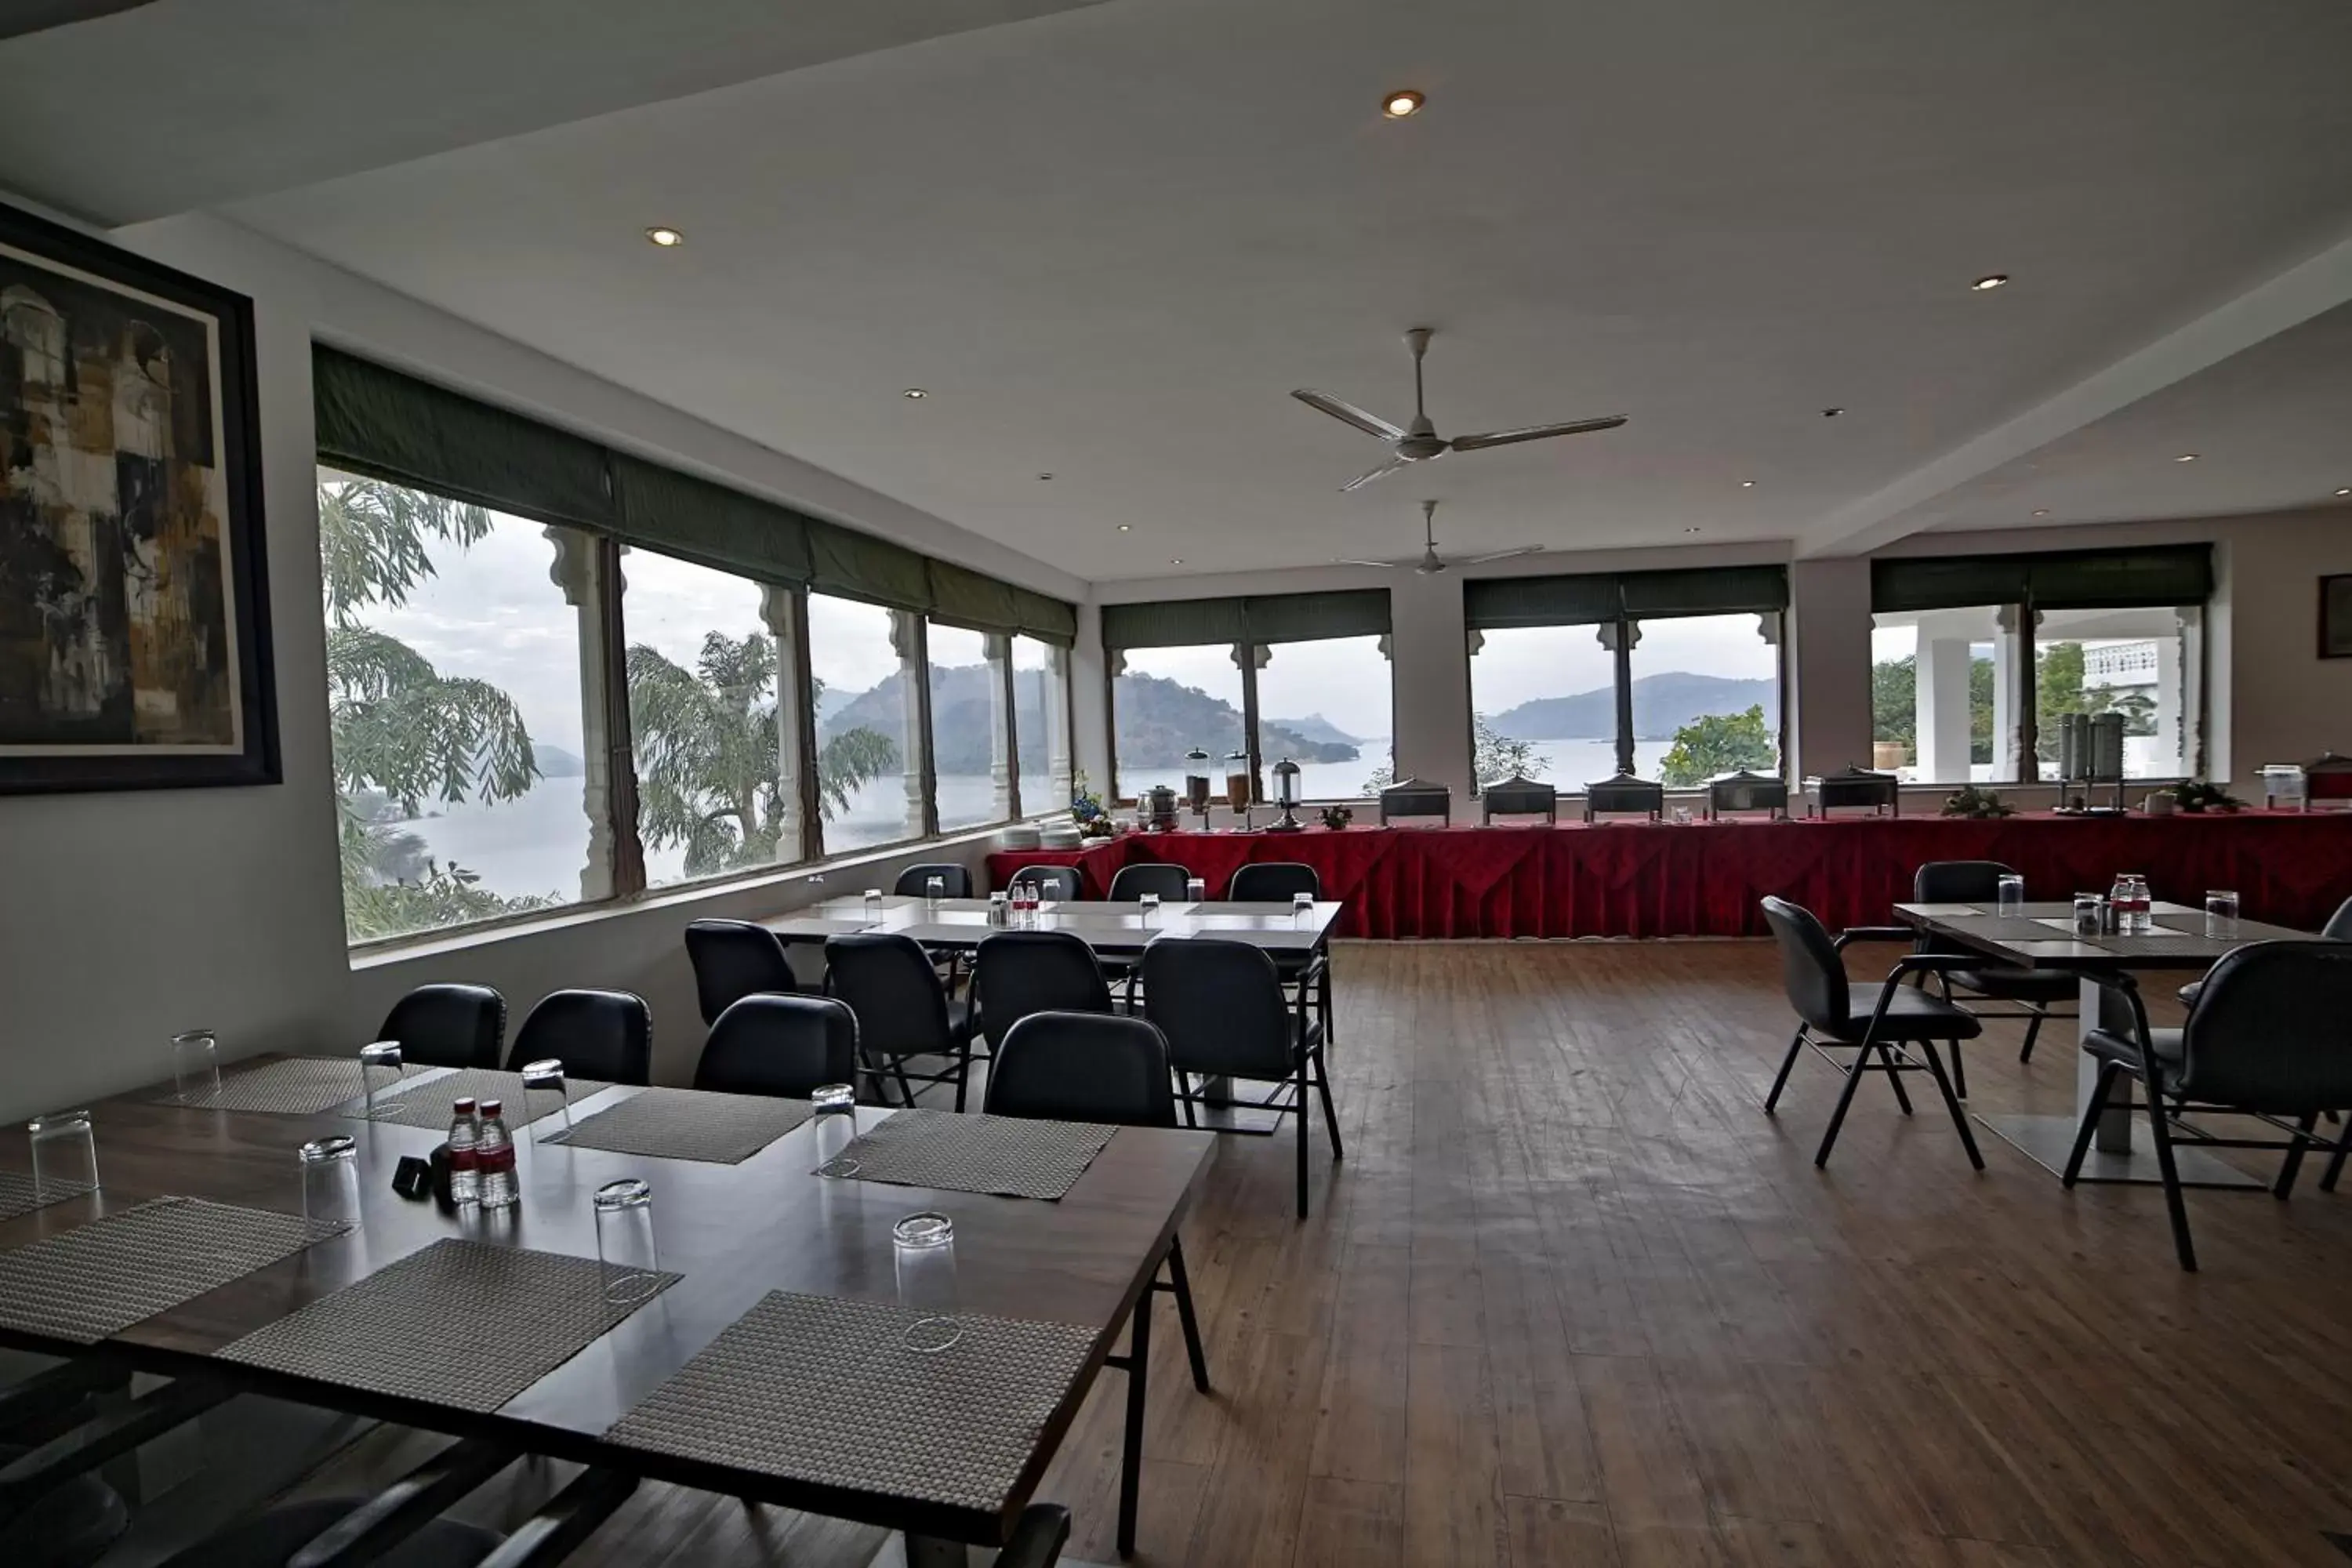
{"x": 1941, "y": 717}
{"x": 1058, "y": 759}
{"x": 573, "y": 569}
{"x": 906, "y": 642}
{"x": 996, "y": 649}
{"x": 780, "y": 610}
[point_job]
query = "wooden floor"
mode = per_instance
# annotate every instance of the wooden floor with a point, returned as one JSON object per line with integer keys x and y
{"x": 1573, "y": 1298}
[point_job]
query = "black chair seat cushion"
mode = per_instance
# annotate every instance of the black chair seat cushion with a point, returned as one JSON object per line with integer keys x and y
{"x": 1911, "y": 1015}
{"x": 2007, "y": 983}
{"x": 272, "y": 1538}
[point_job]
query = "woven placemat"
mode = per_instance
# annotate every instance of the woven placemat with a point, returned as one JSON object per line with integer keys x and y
{"x": 107, "y": 1275}
{"x": 684, "y": 1124}
{"x": 1008, "y": 1155}
{"x": 821, "y": 1389}
{"x": 427, "y": 1104}
{"x": 299, "y": 1086}
{"x": 19, "y": 1196}
{"x": 462, "y": 1323}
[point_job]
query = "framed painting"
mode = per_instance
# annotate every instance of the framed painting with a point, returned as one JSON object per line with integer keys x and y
{"x": 134, "y": 615}
{"x": 2335, "y": 616}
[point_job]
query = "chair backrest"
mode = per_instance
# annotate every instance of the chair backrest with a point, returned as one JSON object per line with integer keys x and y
{"x": 2271, "y": 1029}
{"x": 2339, "y": 924}
{"x": 602, "y": 1035}
{"x": 1017, "y": 973}
{"x": 1060, "y": 883}
{"x": 1151, "y": 876}
{"x": 1957, "y": 882}
{"x": 1221, "y": 1006}
{"x": 889, "y": 983}
{"x": 448, "y": 1027}
{"x": 1811, "y": 970}
{"x": 732, "y": 960}
{"x": 1083, "y": 1066}
{"x": 1274, "y": 882}
{"x": 781, "y": 1046}
{"x": 955, "y": 881}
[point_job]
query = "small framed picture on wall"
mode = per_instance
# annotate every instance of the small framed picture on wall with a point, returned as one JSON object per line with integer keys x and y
{"x": 2335, "y": 616}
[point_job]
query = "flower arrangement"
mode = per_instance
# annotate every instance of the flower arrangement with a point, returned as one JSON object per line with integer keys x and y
{"x": 1970, "y": 801}
{"x": 1087, "y": 809}
{"x": 1335, "y": 818}
{"x": 2201, "y": 797}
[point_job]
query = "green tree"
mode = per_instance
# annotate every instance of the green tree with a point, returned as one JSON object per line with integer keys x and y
{"x": 1492, "y": 757}
{"x": 1894, "y": 701}
{"x": 1718, "y": 744}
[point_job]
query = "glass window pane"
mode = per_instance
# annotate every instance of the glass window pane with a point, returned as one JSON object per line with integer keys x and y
{"x": 863, "y": 688}
{"x": 702, "y": 718}
{"x": 1326, "y": 706}
{"x": 968, "y": 739}
{"x": 1942, "y": 686}
{"x": 1041, "y": 713}
{"x": 1706, "y": 698}
{"x": 2132, "y": 662}
{"x": 1170, "y": 700}
{"x": 459, "y": 721}
{"x": 1544, "y": 704}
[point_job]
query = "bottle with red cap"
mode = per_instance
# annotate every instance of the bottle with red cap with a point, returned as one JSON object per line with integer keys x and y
{"x": 464, "y": 1154}
{"x": 496, "y": 1157}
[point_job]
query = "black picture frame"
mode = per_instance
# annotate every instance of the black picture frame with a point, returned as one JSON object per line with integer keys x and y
{"x": 2335, "y": 615}
{"x": 29, "y": 243}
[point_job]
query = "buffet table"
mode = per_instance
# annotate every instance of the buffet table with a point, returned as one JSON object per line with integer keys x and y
{"x": 1635, "y": 879}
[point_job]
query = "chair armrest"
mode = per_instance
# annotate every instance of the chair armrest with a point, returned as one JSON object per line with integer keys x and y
{"x": 1873, "y": 933}
{"x": 1038, "y": 1539}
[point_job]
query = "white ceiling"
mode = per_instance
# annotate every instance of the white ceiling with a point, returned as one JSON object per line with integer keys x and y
{"x": 1110, "y": 240}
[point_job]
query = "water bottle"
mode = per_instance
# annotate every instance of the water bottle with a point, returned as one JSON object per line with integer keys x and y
{"x": 2142, "y": 913}
{"x": 1024, "y": 906}
{"x": 496, "y": 1158}
{"x": 465, "y": 1156}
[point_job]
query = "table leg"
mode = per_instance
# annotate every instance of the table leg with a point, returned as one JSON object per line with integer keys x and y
{"x": 930, "y": 1551}
{"x": 2100, "y": 1008}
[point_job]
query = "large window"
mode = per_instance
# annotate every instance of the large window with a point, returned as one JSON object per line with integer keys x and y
{"x": 1041, "y": 720}
{"x": 1707, "y": 697}
{"x": 1942, "y": 694}
{"x": 467, "y": 785}
{"x": 2138, "y": 663}
{"x": 1544, "y": 705}
{"x": 1327, "y": 706}
{"x": 1168, "y": 701}
{"x": 971, "y": 737}
{"x": 866, "y": 672}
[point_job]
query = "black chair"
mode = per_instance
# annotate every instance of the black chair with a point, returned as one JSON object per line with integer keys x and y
{"x": 1150, "y": 876}
{"x": 732, "y": 960}
{"x": 448, "y": 1027}
{"x": 1884, "y": 1022}
{"x": 914, "y": 882}
{"x": 2267, "y": 1039}
{"x": 1279, "y": 882}
{"x": 779, "y": 1045}
{"x": 903, "y": 1011}
{"x": 1038, "y": 1537}
{"x": 2337, "y": 928}
{"x": 1058, "y": 884}
{"x": 1017, "y": 973}
{"x": 1219, "y": 1005}
{"x": 1085, "y": 1067}
{"x": 606, "y": 1035}
{"x": 2035, "y": 991}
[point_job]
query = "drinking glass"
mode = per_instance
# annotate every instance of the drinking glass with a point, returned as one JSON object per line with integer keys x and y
{"x": 625, "y": 1241}
{"x": 836, "y": 1105}
{"x": 925, "y": 1245}
{"x": 64, "y": 1155}
{"x": 1149, "y": 904}
{"x": 1302, "y": 907}
{"x": 196, "y": 1065}
{"x": 874, "y": 906}
{"x": 1196, "y": 889}
{"x": 545, "y": 1075}
{"x": 2089, "y": 912}
{"x": 934, "y": 890}
{"x": 2012, "y": 895}
{"x": 330, "y": 1182}
{"x": 380, "y": 1073}
{"x": 2222, "y": 914}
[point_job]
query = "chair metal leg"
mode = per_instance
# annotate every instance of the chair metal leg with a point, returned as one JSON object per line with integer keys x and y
{"x": 2098, "y": 1107}
{"x": 1952, "y": 1101}
{"x": 2160, "y": 1124}
{"x": 1181, "y": 1286}
{"x": 2033, "y": 1028}
{"x": 906, "y": 1086}
{"x": 1846, "y": 1099}
{"x": 1300, "y": 1106}
{"x": 2292, "y": 1165}
{"x": 1780, "y": 1080}
{"x": 2335, "y": 1161}
{"x": 1130, "y": 1470}
{"x": 1331, "y": 1116}
{"x": 963, "y": 1071}
{"x": 1184, "y": 1093}
{"x": 1960, "y": 1072}
{"x": 1894, "y": 1076}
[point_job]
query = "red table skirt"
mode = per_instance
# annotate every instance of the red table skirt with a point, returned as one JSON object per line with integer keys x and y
{"x": 1705, "y": 878}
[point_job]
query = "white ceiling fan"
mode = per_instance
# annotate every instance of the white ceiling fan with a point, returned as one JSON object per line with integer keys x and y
{"x": 1418, "y": 442}
{"x": 1429, "y": 562}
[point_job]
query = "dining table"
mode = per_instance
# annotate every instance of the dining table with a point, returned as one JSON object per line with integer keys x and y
{"x": 2042, "y": 936}
{"x": 1113, "y": 929}
{"x": 741, "y": 1241}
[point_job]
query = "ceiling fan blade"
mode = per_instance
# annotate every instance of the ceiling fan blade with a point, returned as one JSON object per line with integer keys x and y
{"x": 1535, "y": 433}
{"x": 1383, "y": 566}
{"x": 1502, "y": 554}
{"x": 1370, "y": 424}
{"x": 1369, "y": 475}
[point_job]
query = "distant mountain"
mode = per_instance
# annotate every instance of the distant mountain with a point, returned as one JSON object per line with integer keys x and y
{"x": 1315, "y": 726}
{"x": 555, "y": 762}
{"x": 1663, "y": 703}
{"x": 1159, "y": 719}
{"x": 963, "y": 715}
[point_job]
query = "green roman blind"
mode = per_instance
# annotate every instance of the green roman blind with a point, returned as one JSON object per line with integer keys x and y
{"x": 387, "y": 425}
{"x": 964, "y": 597}
{"x": 1587, "y": 598}
{"x": 1259, "y": 619}
{"x": 707, "y": 523}
{"x": 2053, "y": 580}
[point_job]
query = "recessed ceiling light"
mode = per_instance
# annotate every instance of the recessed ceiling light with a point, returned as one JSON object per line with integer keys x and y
{"x": 913, "y": 394}
{"x": 2185, "y": 457}
{"x": 1748, "y": 484}
{"x": 2042, "y": 511}
{"x": 1403, "y": 104}
{"x": 665, "y": 237}
{"x": 1989, "y": 282}
{"x": 1690, "y": 530}
{"x": 1044, "y": 476}
{"x": 1175, "y": 560}
{"x": 2346, "y": 490}
{"x": 1125, "y": 528}
{"x": 1832, "y": 413}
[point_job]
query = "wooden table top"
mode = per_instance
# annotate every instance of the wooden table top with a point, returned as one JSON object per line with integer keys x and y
{"x": 734, "y": 1232}
{"x": 1116, "y": 928}
{"x": 2026, "y": 940}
